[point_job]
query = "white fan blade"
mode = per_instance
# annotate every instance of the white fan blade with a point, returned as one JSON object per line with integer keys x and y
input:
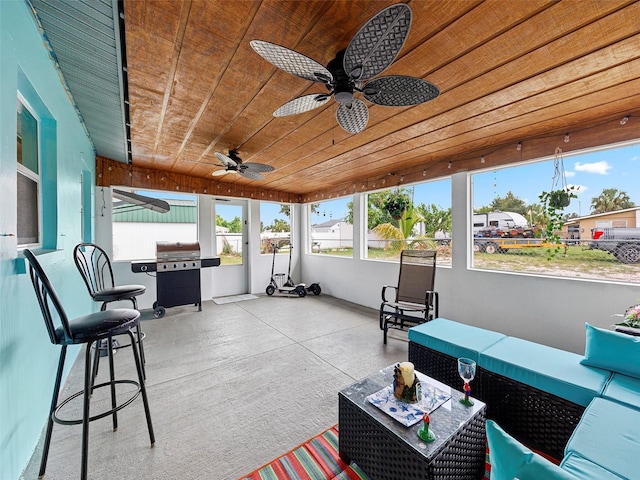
{"x": 226, "y": 160}
{"x": 353, "y": 118}
{"x": 302, "y": 104}
{"x": 219, "y": 173}
{"x": 291, "y": 61}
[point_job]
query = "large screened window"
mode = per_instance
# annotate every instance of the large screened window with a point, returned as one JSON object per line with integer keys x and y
{"x": 510, "y": 223}
{"x": 331, "y": 227}
{"x": 275, "y": 227}
{"x": 28, "y": 176}
{"x": 137, "y": 228}
{"x": 410, "y": 217}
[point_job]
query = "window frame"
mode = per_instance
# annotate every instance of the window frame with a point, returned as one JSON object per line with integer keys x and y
{"x": 25, "y": 171}
{"x": 291, "y": 227}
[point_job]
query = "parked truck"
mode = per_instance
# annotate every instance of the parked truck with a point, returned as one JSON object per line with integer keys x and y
{"x": 622, "y": 243}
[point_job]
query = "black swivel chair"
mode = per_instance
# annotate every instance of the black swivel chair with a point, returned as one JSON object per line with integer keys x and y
{"x": 88, "y": 329}
{"x": 95, "y": 267}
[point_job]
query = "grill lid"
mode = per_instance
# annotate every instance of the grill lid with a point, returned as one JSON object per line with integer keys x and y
{"x": 173, "y": 251}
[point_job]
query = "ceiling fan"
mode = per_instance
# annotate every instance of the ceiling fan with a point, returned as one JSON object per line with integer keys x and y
{"x": 371, "y": 51}
{"x": 234, "y": 164}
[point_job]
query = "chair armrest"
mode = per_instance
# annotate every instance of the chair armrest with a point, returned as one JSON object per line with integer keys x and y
{"x": 384, "y": 291}
{"x": 432, "y": 298}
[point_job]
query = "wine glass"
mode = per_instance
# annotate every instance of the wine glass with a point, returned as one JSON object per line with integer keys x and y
{"x": 467, "y": 371}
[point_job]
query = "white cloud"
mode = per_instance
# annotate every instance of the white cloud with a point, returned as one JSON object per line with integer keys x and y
{"x": 635, "y": 158}
{"x": 600, "y": 168}
{"x": 569, "y": 174}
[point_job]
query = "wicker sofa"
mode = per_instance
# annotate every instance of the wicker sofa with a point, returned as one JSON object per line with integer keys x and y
{"x": 581, "y": 410}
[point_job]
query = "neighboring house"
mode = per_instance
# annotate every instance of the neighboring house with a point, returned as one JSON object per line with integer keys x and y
{"x": 580, "y": 228}
{"x": 179, "y": 224}
{"x": 332, "y": 234}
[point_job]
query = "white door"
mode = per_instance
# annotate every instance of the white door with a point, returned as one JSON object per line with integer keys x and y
{"x": 231, "y": 235}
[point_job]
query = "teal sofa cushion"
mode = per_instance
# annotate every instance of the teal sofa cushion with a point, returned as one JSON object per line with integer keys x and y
{"x": 453, "y": 338}
{"x": 613, "y": 351}
{"x": 510, "y": 459}
{"x": 608, "y": 435}
{"x": 546, "y": 368}
{"x": 624, "y": 389}
{"x": 580, "y": 467}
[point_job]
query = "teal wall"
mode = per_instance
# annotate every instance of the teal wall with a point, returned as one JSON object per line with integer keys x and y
{"x": 27, "y": 359}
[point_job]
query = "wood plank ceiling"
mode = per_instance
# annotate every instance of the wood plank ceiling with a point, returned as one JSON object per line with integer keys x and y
{"x": 509, "y": 72}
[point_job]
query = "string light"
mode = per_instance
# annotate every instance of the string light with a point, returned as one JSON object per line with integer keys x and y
{"x": 482, "y": 159}
{"x": 519, "y": 146}
{"x": 424, "y": 172}
{"x": 449, "y": 166}
{"x": 566, "y": 138}
{"x": 624, "y": 120}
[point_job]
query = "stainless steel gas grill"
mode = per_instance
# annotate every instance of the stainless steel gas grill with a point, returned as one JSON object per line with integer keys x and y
{"x": 177, "y": 268}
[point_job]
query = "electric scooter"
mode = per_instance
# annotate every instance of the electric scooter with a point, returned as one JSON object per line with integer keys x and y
{"x": 313, "y": 288}
{"x": 281, "y": 282}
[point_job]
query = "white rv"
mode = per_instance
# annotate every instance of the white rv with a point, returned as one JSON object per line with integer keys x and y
{"x": 501, "y": 220}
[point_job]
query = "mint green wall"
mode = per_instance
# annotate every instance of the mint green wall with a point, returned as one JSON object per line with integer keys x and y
{"x": 27, "y": 359}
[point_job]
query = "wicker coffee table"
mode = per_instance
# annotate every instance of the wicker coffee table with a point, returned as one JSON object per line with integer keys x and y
{"x": 387, "y": 450}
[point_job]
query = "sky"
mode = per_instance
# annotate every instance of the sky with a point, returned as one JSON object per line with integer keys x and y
{"x": 590, "y": 172}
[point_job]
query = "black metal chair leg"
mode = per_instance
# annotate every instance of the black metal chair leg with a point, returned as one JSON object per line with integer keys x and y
{"x": 141, "y": 347}
{"x": 54, "y": 403}
{"x": 112, "y": 379}
{"x": 143, "y": 389}
{"x": 140, "y": 334}
{"x": 96, "y": 364}
{"x": 85, "y": 412}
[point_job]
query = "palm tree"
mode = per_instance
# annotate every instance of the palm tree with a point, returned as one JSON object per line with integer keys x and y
{"x": 610, "y": 200}
{"x": 397, "y": 236}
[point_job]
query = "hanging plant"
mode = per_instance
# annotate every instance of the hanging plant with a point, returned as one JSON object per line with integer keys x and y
{"x": 396, "y": 204}
{"x": 554, "y": 202}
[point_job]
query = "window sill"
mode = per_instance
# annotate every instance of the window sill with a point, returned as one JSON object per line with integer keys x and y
{"x": 45, "y": 257}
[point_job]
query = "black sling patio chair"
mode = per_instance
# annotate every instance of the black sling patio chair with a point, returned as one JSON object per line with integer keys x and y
{"x": 415, "y": 300}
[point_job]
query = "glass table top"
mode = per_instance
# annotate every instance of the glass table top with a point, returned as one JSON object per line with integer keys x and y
{"x": 445, "y": 421}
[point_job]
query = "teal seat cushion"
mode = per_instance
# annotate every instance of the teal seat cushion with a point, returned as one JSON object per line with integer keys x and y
{"x": 612, "y": 350}
{"x": 608, "y": 435}
{"x": 546, "y": 368}
{"x": 580, "y": 467}
{"x": 453, "y": 338}
{"x": 510, "y": 459}
{"x": 624, "y": 389}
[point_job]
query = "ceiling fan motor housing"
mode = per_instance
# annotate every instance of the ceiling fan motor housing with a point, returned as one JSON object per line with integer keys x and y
{"x": 343, "y": 84}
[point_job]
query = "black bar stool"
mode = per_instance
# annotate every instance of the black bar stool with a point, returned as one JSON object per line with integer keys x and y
{"x": 87, "y": 329}
{"x": 94, "y": 266}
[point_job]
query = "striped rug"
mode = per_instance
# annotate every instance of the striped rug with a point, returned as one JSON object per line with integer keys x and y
{"x": 316, "y": 459}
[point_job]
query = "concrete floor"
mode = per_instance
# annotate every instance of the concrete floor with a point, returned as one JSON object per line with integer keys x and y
{"x": 230, "y": 388}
